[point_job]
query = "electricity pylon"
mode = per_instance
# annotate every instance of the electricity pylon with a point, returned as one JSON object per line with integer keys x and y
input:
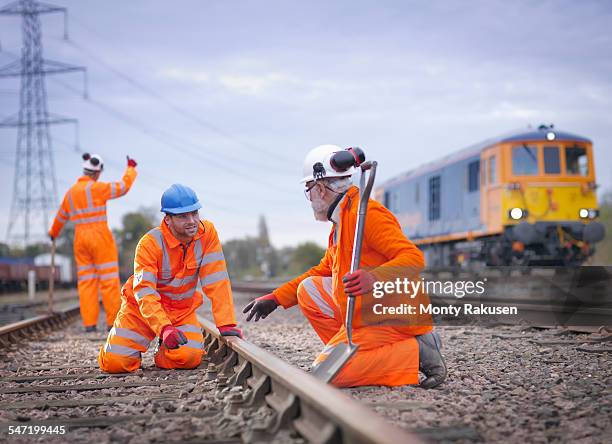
{"x": 34, "y": 187}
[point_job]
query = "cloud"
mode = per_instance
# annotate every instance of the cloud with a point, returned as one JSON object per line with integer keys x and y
{"x": 255, "y": 85}
{"x": 234, "y": 80}
{"x": 185, "y": 75}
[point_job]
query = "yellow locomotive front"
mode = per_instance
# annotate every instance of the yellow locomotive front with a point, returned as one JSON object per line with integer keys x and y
{"x": 546, "y": 201}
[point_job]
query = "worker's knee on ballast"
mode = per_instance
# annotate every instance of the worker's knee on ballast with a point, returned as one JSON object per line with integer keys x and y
{"x": 111, "y": 363}
{"x": 182, "y": 357}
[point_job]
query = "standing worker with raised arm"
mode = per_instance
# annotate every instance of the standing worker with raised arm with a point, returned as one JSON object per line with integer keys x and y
{"x": 387, "y": 355}
{"x": 95, "y": 251}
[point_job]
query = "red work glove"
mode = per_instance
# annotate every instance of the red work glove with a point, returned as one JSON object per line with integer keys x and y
{"x": 261, "y": 307}
{"x": 131, "y": 162}
{"x": 358, "y": 283}
{"x": 172, "y": 337}
{"x": 230, "y": 330}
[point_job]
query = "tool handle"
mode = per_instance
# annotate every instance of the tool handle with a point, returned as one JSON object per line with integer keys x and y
{"x": 52, "y": 276}
{"x": 364, "y": 196}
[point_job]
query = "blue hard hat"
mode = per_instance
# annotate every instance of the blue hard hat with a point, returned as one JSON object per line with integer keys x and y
{"x": 179, "y": 199}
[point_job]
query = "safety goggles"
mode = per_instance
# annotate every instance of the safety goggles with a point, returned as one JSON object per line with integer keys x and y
{"x": 309, "y": 188}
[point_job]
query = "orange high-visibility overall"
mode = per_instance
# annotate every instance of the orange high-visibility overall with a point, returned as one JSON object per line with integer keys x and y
{"x": 163, "y": 292}
{"x": 95, "y": 251}
{"x": 387, "y": 355}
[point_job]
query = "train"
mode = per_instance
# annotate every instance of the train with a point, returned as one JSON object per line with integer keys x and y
{"x": 527, "y": 197}
{"x": 14, "y": 272}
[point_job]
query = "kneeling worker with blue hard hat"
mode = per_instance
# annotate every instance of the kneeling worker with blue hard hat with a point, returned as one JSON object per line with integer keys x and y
{"x": 160, "y": 299}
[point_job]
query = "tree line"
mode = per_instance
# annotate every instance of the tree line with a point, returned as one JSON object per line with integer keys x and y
{"x": 251, "y": 257}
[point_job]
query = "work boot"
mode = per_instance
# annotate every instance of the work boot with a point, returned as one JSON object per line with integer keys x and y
{"x": 431, "y": 362}
{"x": 91, "y": 329}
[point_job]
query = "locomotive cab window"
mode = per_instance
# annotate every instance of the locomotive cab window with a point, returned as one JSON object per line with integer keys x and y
{"x": 552, "y": 164}
{"x": 576, "y": 160}
{"x": 434, "y": 198}
{"x": 473, "y": 176}
{"x": 492, "y": 171}
{"x": 524, "y": 160}
{"x": 387, "y": 200}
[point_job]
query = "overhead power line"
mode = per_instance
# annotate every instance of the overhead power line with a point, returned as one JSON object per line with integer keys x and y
{"x": 166, "y": 138}
{"x": 274, "y": 155}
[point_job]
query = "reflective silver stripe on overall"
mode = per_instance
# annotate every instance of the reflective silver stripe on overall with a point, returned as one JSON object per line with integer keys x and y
{"x": 70, "y": 202}
{"x": 192, "y": 343}
{"x": 89, "y": 210}
{"x": 179, "y": 296}
{"x": 166, "y": 271}
{"x": 88, "y": 277}
{"x": 88, "y": 195}
{"x": 121, "y": 350}
{"x": 214, "y": 278}
{"x": 111, "y": 275}
{"x": 129, "y": 334}
{"x": 190, "y": 328}
{"x": 150, "y": 277}
{"x": 198, "y": 345}
{"x": 179, "y": 282}
{"x": 90, "y": 220}
{"x": 327, "y": 285}
{"x": 144, "y": 292}
{"x": 314, "y": 294}
{"x": 117, "y": 189}
{"x": 213, "y": 257}
{"x": 106, "y": 265}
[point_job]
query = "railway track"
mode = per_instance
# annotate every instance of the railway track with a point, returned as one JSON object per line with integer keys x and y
{"x": 240, "y": 393}
{"x": 38, "y": 325}
{"x": 539, "y": 300}
{"x": 14, "y": 309}
{"x": 51, "y": 386}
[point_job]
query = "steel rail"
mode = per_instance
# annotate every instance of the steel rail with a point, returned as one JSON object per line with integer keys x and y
{"x": 532, "y": 307}
{"x": 319, "y": 412}
{"x": 38, "y": 324}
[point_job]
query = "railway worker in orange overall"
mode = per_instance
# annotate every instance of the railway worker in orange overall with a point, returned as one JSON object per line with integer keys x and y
{"x": 95, "y": 251}
{"x": 161, "y": 298}
{"x": 387, "y": 355}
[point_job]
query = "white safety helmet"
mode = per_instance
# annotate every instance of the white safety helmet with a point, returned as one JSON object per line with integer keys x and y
{"x": 93, "y": 162}
{"x": 322, "y": 155}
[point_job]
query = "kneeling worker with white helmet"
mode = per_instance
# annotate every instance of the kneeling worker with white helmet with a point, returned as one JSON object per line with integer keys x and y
{"x": 387, "y": 355}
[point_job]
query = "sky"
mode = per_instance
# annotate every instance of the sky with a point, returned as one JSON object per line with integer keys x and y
{"x": 228, "y": 97}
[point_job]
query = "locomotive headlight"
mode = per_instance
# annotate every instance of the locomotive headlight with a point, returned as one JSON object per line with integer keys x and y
{"x": 550, "y": 136}
{"x": 588, "y": 213}
{"x": 517, "y": 213}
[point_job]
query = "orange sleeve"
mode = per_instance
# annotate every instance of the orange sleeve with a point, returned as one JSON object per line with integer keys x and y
{"x": 286, "y": 294}
{"x": 113, "y": 190}
{"x": 145, "y": 284}
{"x": 383, "y": 233}
{"x": 215, "y": 279}
{"x": 62, "y": 216}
